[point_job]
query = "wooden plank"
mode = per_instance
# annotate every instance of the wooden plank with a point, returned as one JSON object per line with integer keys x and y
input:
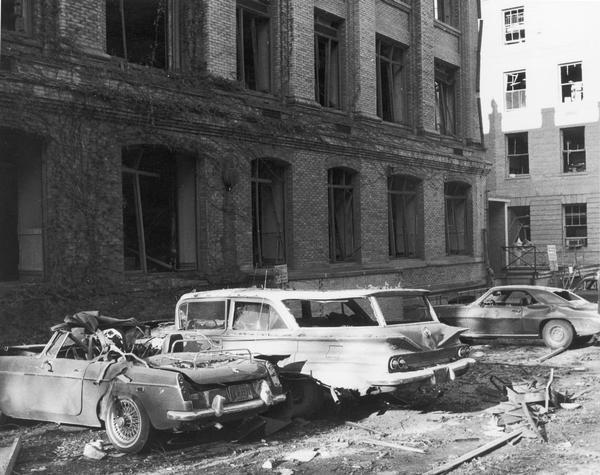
{"x": 392, "y": 445}
{"x": 8, "y": 457}
{"x": 553, "y": 354}
{"x": 475, "y": 453}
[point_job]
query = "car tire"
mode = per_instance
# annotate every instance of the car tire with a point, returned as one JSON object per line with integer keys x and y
{"x": 558, "y": 334}
{"x": 127, "y": 425}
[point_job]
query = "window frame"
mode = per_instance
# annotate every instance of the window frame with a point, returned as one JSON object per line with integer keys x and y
{"x": 572, "y": 231}
{"x": 519, "y": 157}
{"x": 464, "y": 224}
{"x": 520, "y": 93}
{"x": 348, "y": 246}
{"x": 446, "y": 11}
{"x": 511, "y": 27}
{"x": 409, "y": 235}
{"x": 576, "y": 93}
{"x": 24, "y": 26}
{"x": 446, "y": 91}
{"x": 258, "y": 182}
{"x": 328, "y": 91}
{"x": 396, "y": 71}
{"x": 254, "y": 10}
{"x": 567, "y": 153}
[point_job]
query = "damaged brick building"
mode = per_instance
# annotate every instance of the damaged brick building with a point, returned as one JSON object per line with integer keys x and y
{"x": 205, "y": 142}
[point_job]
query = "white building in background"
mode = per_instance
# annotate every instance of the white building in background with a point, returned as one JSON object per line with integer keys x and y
{"x": 540, "y": 98}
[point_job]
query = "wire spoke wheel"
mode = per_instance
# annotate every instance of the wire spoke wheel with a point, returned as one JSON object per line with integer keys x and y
{"x": 127, "y": 425}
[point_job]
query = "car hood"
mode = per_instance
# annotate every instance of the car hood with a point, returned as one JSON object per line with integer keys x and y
{"x": 210, "y": 368}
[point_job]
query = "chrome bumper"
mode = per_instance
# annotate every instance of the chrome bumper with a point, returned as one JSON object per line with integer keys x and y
{"x": 233, "y": 408}
{"x": 435, "y": 374}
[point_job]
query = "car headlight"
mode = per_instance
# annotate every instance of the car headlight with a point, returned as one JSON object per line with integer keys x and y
{"x": 273, "y": 375}
{"x": 183, "y": 387}
{"x": 464, "y": 351}
{"x": 397, "y": 363}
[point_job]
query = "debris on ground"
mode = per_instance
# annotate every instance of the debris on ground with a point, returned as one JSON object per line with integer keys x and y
{"x": 94, "y": 450}
{"x": 8, "y": 456}
{"x": 303, "y": 455}
{"x": 556, "y": 352}
{"x": 392, "y": 445}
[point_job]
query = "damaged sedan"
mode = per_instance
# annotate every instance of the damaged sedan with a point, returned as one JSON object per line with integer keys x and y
{"x": 359, "y": 342}
{"x": 93, "y": 373}
{"x": 555, "y": 315}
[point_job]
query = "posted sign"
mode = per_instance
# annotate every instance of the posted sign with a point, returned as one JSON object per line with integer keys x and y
{"x": 280, "y": 274}
{"x": 552, "y": 259}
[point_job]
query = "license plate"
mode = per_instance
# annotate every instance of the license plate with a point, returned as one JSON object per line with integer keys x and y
{"x": 240, "y": 392}
{"x": 442, "y": 375}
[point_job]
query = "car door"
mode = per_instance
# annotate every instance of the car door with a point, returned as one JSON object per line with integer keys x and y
{"x": 50, "y": 385}
{"x": 502, "y": 313}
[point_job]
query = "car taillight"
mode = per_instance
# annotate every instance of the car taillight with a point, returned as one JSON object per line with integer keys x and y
{"x": 464, "y": 351}
{"x": 184, "y": 388}
{"x": 396, "y": 363}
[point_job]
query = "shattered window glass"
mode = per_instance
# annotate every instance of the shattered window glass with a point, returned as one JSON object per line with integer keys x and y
{"x": 516, "y": 88}
{"x": 514, "y": 25}
{"x": 571, "y": 82}
{"x": 404, "y": 309}
{"x": 202, "y": 314}
{"x": 332, "y": 313}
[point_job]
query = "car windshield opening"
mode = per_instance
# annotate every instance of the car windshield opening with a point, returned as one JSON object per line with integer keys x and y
{"x": 352, "y": 312}
{"x": 399, "y": 309}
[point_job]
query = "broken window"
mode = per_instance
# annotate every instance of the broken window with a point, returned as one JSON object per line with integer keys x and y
{"x": 392, "y": 87}
{"x": 456, "y": 198}
{"x": 159, "y": 196}
{"x": 446, "y": 11}
{"x": 515, "y": 88}
{"x": 517, "y": 154}
{"x": 343, "y": 244}
{"x": 21, "y": 238}
{"x": 144, "y": 31}
{"x": 268, "y": 205}
{"x": 17, "y": 15}
{"x": 520, "y": 225}
{"x": 445, "y": 99}
{"x": 402, "y": 215}
{"x": 514, "y": 25}
{"x": 573, "y": 147}
{"x": 327, "y": 62}
{"x": 571, "y": 82}
{"x": 253, "y": 45}
{"x": 575, "y": 225}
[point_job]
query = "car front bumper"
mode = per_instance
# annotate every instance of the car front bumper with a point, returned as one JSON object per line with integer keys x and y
{"x": 433, "y": 375}
{"x": 234, "y": 408}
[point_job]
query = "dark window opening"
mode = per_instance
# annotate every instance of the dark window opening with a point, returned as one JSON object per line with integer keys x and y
{"x": 573, "y": 145}
{"x": 514, "y": 25}
{"x": 253, "y": 46}
{"x": 327, "y": 63}
{"x": 21, "y": 238}
{"x": 520, "y": 225}
{"x": 445, "y": 100}
{"x": 457, "y": 230}
{"x": 143, "y": 32}
{"x": 403, "y": 216}
{"x": 516, "y": 90}
{"x": 392, "y": 90}
{"x": 343, "y": 243}
{"x": 571, "y": 82}
{"x": 17, "y": 15}
{"x": 517, "y": 154}
{"x": 159, "y": 225}
{"x": 268, "y": 213}
{"x": 575, "y": 225}
{"x": 446, "y": 11}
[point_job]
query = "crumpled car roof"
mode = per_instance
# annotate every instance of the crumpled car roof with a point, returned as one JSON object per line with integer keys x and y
{"x": 92, "y": 321}
{"x": 283, "y": 294}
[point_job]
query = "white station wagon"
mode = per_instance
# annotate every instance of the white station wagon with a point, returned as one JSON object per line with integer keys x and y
{"x": 364, "y": 340}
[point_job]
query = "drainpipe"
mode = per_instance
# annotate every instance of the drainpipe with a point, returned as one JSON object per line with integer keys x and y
{"x": 598, "y": 285}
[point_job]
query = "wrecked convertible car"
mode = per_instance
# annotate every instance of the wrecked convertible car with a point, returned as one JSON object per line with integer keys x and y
{"x": 92, "y": 373}
{"x": 361, "y": 341}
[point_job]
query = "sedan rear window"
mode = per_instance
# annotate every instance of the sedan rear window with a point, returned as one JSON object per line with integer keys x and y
{"x": 398, "y": 309}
